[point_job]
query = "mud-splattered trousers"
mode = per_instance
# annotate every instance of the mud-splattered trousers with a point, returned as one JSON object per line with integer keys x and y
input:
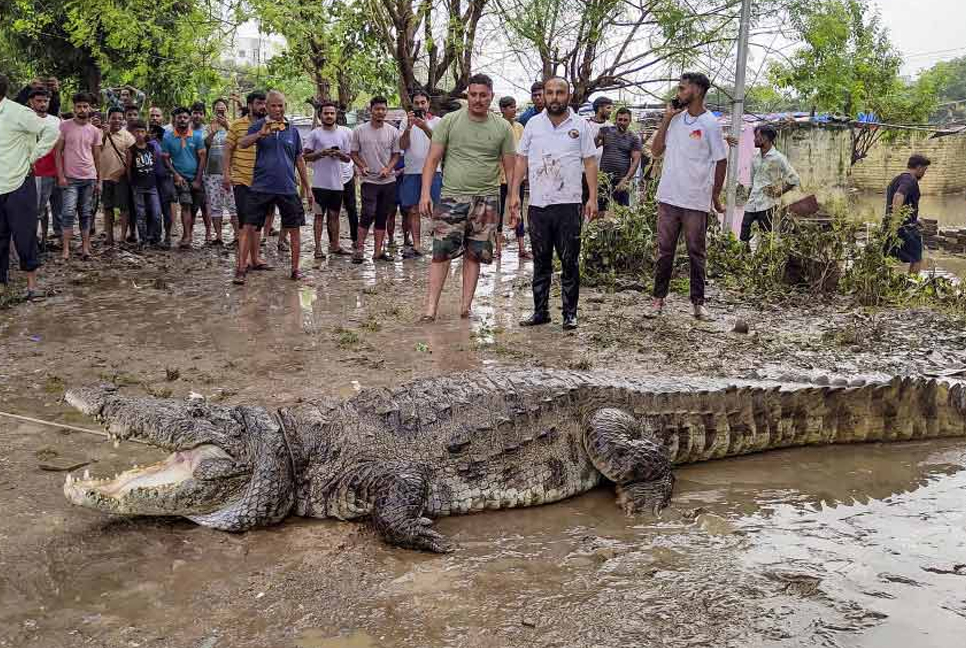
{"x": 555, "y": 227}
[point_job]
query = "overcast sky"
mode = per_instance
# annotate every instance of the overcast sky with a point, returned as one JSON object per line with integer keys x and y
{"x": 925, "y": 31}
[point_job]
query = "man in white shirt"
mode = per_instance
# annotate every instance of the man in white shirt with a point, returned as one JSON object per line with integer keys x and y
{"x": 416, "y": 137}
{"x": 771, "y": 177}
{"x": 327, "y": 150}
{"x": 695, "y": 162}
{"x": 556, "y": 150}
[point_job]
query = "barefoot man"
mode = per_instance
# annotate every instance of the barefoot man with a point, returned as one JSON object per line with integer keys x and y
{"x": 472, "y": 144}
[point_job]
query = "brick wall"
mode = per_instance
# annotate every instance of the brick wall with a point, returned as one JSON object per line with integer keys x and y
{"x": 889, "y": 156}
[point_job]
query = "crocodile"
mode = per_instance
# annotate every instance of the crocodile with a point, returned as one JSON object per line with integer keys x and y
{"x": 401, "y": 457}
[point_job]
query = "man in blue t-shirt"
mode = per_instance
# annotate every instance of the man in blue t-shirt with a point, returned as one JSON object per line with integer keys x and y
{"x": 277, "y": 158}
{"x": 185, "y": 152}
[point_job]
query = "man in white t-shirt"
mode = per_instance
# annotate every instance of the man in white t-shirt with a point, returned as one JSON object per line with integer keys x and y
{"x": 695, "y": 163}
{"x": 417, "y": 135}
{"x": 555, "y": 152}
{"x": 327, "y": 149}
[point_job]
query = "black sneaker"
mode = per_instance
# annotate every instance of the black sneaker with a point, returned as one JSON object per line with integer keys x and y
{"x": 569, "y": 322}
{"x": 536, "y": 319}
{"x": 357, "y": 257}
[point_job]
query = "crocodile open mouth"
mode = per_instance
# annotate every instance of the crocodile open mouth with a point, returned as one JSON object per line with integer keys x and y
{"x": 164, "y": 475}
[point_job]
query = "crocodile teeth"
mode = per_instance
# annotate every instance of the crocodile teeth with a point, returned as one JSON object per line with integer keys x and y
{"x": 87, "y": 475}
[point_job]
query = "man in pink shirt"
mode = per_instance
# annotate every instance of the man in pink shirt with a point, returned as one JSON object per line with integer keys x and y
{"x": 78, "y": 172}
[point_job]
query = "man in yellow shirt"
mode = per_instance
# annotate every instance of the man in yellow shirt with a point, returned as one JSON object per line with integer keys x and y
{"x": 508, "y": 107}
{"x": 239, "y": 165}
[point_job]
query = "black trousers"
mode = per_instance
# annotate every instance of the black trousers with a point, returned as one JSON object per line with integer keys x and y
{"x": 763, "y": 218}
{"x": 18, "y": 221}
{"x": 556, "y": 227}
{"x": 351, "y": 210}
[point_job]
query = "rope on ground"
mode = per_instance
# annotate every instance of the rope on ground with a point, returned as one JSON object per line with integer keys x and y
{"x": 73, "y": 428}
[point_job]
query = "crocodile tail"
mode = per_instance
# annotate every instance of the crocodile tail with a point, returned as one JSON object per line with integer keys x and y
{"x": 697, "y": 426}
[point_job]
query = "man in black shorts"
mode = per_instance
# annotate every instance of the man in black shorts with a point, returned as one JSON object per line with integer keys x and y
{"x": 902, "y": 198}
{"x": 326, "y": 149}
{"x": 277, "y": 157}
{"x": 375, "y": 150}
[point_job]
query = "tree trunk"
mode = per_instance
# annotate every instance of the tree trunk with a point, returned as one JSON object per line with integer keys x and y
{"x": 91, "y": 77}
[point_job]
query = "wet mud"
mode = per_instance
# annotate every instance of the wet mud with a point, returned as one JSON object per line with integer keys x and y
{"x": 842, "y": 546}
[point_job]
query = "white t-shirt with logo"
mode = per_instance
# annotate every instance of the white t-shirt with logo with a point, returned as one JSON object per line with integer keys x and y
{"x": 693, "y": 146}
{"x": 418, "y": 150}
{"x": 555, "y": 158}
{"x": 327, "y": 171}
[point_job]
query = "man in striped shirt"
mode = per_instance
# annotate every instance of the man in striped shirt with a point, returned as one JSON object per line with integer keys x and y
{"x": 239, "y": 164}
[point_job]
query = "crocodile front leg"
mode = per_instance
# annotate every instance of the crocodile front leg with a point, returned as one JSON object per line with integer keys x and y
{"x": 635, "y": 462}
{"x": 401, "y": 492}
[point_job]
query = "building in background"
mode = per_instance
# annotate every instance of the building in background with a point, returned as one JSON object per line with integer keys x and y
{"x": 248, "y": 45}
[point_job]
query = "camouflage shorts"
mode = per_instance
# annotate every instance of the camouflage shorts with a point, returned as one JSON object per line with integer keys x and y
{"x": 465, "y": 224}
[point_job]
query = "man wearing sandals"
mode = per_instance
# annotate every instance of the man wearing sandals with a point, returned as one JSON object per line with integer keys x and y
{"x": 472, "y": 144}
{"x": 278, "y": 156}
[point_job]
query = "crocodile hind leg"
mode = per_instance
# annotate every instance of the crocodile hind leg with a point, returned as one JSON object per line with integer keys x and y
{"x": 635, "y": 462}
{"x": 397, "y": 512}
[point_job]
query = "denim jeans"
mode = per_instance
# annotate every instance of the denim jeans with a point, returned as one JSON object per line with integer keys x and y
{"x": 49, "y": 192}
{"x": 76, "y": 201}
{"x": 147, "y": 214}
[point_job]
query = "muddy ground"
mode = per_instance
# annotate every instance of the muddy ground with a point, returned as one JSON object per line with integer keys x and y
{"x": 844, "y": 546}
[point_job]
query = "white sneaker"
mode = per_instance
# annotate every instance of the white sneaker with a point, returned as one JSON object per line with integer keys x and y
{"x": 701, "y": 313}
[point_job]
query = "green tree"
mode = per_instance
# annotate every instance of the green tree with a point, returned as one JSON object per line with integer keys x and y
{"x": 333, "y": 42}
{"x": 847, "y": 64}
{"x": 432, "y": 44}
{"x": 605, "y": 45}
{"x": 168, "y": 48}
{"x": 951, "y": 76}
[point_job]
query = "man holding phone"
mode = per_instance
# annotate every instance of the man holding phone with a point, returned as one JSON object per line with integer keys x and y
{"x": 327, "y": 149}
{"x": 415, "y": 140}
{"x": 695, "y": 162}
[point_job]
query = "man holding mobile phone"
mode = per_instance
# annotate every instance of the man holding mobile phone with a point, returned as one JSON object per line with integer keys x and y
{"x": 415, "y": 141}
{"x": 327, "y": 149}
{"x": 695, "y": 162}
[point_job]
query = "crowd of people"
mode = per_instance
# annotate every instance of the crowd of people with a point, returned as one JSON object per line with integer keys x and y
{"x": 467, "y": 172}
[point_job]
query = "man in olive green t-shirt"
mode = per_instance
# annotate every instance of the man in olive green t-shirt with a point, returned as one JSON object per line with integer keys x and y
{"x": 472, "y": 144}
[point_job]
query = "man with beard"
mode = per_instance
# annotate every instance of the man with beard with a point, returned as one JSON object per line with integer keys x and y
{"x": 185, "y": 147}
{"x": 375, "y": 150}
{"x": 155, "y": 117}
{"x": 415, "y": 141}
{"x": 471, "y": 143}
{"x": 537, "y": 105}
{"x": 24, "y": 139}
{"x": 621, "y": 152}
{"x": 556, "y": 150}
{"x": 51, "y": 85}
{"x": 116, "y": 194}
{"x": 327, "y": 149}
{"x": 78, "y": 173}
{"x": 198, "y": 124}
{"x": 45, "y": 172}
{"x": 239, "y": 167}
{"x": 277, "y": 159}
{"x": 695, "y": 162}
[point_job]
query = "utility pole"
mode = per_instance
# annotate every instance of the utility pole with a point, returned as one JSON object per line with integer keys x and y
{"x": 738, "y": 110}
